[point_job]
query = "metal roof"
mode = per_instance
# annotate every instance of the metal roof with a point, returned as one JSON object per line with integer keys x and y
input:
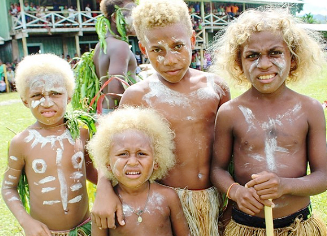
{"x": 317, "y": 27}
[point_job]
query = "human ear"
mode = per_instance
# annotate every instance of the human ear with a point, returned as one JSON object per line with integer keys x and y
{"x": 25, "y": 103}
{"x": 108, "y": 167}
{"x": 156, "y": 166}
{"x": 113, "y": 17}
{"x": 143, "y": 49}
{"x": 193, "y": 40}
{"x": 69, "y": 99}
{"x": 293, "y": 64}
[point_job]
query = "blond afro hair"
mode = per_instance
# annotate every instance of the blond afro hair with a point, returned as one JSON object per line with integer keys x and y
{"x": 44, "y": 66}
{"x": 145, "y": 120}
{"x": 160, "y": 13}
{"x": 305, "y": 46}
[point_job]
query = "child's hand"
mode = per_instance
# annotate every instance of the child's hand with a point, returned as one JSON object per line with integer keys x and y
{"x": 267, "y": 185}
{"x": 104, "y": 211}
{"x": 36, "y": 228}
{"x": 248, "y": 200}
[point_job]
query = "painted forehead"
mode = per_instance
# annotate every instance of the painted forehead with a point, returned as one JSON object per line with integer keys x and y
{"x": 264, "y": 40}
{"x": 47, "y": 82}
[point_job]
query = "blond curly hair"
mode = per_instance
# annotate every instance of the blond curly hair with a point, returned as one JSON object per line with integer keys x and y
{"x": 43, "y": 66}
{"x": 145, "y": 120}
{"x": 305, "y": 46}
{"x": 160, "y": 13}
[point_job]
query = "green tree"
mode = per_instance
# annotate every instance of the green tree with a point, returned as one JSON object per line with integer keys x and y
{"x": 308, "y": 18}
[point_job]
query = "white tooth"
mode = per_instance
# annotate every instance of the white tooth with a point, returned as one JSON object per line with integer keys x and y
{"x": 265, "y": 77}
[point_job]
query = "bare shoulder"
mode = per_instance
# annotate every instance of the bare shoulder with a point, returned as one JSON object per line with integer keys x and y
{"x": 133, "y": 95}
{"x": 84, "y": 134}
{"x": 116, "y": 45}
{"x": 20, "y": 138}
{"x": 18, "y": 144}
{"x": 168, "y": 193}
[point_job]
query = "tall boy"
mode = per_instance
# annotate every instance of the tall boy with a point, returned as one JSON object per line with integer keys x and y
{"x": 56, "y": 165}
{"x": 188, "y": 99}
{"x": 271, "y": 132}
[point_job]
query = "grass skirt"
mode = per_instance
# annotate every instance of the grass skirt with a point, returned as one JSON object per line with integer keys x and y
{"x": 84, "y": 229}
{"x": 201, "y": 209}
{"x": 310, "y": 227}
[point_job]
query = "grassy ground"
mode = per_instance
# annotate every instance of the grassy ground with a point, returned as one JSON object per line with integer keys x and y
{"x": 15, "y": 117}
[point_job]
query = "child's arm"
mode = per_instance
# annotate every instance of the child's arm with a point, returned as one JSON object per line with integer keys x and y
{"x": 10, "y": 195}
{"x": 107, "y": 205}
{"x": 270, "y": 186}
{"x": 95, "y": 230}
{"x": 177, "y": 217}
{"x": 91, "y": 171}
{"x": 246, "y": 198}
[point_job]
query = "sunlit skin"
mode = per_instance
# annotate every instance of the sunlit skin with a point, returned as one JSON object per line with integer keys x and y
{"x": 272, "y": 133}
{"x": 266, "y": 61}
{"x": 49, "y": 157}
{"x": 132, "y": 163}
{"x": 118, "y": 59}
{"x": 131, "y": 159}
{"x": 170, "y": 54}
{"x": 48, "y": 105}
{"x": 187, "y": 98}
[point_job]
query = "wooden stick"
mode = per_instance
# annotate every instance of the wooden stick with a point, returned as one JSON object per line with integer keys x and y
{"x": 269, "y": 221}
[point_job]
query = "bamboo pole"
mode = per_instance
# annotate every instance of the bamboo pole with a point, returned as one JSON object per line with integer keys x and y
{"x": 269, "y": 221}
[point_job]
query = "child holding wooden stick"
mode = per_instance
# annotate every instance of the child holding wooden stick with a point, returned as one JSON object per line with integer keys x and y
{"x": 271, "y": 132}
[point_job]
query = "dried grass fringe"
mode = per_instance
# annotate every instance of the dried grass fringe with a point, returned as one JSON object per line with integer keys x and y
{"x": 310, "y": 227}
{"x": 83, "y": 229}
{"x": 201, "y": 209}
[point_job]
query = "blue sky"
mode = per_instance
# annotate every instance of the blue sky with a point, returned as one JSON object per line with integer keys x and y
{"x": 315, "y": 7}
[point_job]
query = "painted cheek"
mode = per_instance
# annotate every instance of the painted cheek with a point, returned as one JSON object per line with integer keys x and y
{"x": 160, "y": 59}
{"x": 280, "y": 63}
{"x": 116, "y": 171}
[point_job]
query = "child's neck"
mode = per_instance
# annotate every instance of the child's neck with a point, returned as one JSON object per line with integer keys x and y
{"x": 136, "y": 205}
{"x": 56, "y": 127}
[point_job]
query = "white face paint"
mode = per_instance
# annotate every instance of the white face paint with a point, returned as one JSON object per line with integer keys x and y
{"x": 47, "y": 189}
{"x": 76, "y": 175}
{"x": 39, "y": 166}
{"x": 76, "y": 187}
{"x": 75, "y": 199}
{"x": 271, "y": 144}
{"x": 62, "y": 180}
{"x": 13, "y": 199}
{"x": 12, "y": 177}
{"x": 280, "y": 63}
{"x": 13, "y": 158}
{"x": 47, "y": 180}
{"x": 37, "y": 138}
{"x": 78, "y": 160}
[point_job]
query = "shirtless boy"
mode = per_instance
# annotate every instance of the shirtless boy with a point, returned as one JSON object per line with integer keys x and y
{"x": 55, "y": 164}
{"x": 188, "y": 99}
{"x": 271, "y": 132}
{"x": 134, "y": 147}
{"x": 118, "y": 59}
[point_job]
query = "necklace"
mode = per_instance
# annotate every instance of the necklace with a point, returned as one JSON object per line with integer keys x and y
{"x": 138, "y": 212}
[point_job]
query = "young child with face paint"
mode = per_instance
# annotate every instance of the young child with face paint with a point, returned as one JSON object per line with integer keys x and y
{"x": 271, "y": 132}
{"x": 134, "y": 147}
{"x": 56, "y": 165}
{"x": 188, "y": 99}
